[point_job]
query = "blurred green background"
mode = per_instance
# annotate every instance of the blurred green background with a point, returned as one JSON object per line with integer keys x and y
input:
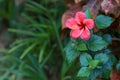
{"x": 30, "y": 44}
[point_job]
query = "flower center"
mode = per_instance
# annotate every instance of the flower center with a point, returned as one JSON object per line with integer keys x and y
{"x": 82, "y": 26}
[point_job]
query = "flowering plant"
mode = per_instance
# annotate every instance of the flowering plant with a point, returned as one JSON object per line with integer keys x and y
{"x": 80, "y": 26}
{"x": 90, "y": 46}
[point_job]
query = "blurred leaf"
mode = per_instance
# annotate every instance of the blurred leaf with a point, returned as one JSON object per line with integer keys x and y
{"x": 48, "y": 56}
{"x": 27, "y": 40}
{"x": 71, "y": 54}
{"x": 6, "y": 74}
{"x": 39, "y": 72}
{"x": 28, "y": 49}
{"x": 38, "y": 5}
{"x": 65, "y": 69}
{"x": 106, "y": 51}
{"x": 16, "y": 47}
{"x": 101, "y": 57}
{"x": 103, "y": 21}
{"x": 37, "y": 8}
{"x": 96, "y": 43}
{"x": 29, "y": 33}
{"x": 106, "y": 74}
{"x": 42, "y": 50}
{"x": 88, "y": 14}
{"x": 83, "y": 72}
{"x": 118, "y": 66}
{"x": 82, "y": 46}
{"x": 84, "y": 59}
{"x": 93, "y": 64}
{"x": 107, "y": 38}
{"x": 94, "y": 73}
{"x": 112, "y": 59}
{"x": 38, "y": 23}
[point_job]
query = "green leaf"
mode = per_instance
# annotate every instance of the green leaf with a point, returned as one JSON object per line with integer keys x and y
{"x": 118, "y": 65}
{"x": 84, "y": 59}
{"x": 7, "y": 72}
{"x": 96, "y": 43}
{"x": 94, "y": 73}
{"x": 26, "y": 32}
{"x": 42, "y": 50}
{"x": 88, "y": 14}
{"x": 102, "y": 57}
{"x": 107, "y": 38}
{"x": 103, "y": 21}
{"x": 27, "y": 50}
{"x": 71, "y": 54}
{"x": 82, "y": 47}
{"x": 113, "y": 59}
{"x": 106, "y": 51}
{"x": 93, "y": 64}
{"x": 106, "y": 74}
{"x": 83, "y": 72}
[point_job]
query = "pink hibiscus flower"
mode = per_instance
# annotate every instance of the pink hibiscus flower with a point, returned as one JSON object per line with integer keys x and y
{"x": 80, "y": 26}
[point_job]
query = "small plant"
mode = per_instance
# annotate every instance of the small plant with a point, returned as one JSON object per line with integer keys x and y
{"x": 88, "y": 47}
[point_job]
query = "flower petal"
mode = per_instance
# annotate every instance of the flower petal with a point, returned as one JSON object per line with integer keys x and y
{"x": 80, "y": 16}
{"x": 75, "y": 33}
{"x": 71, "y": 24}
{"x": 85, "y": 35}
{"x": 89, "y": 23}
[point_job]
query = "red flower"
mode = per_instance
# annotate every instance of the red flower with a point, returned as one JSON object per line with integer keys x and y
{"x": 80, "y": 26}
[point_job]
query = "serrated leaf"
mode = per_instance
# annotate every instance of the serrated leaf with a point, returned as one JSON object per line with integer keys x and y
{"x": 93, "y": 64}
{"x": 103, "y": 21}
{"x": 96, "y": 43}
{"x": 83, "y": 72}
{"x": 88, "y": 14}
{"x": 71, "y": 54}
{"x": 84, "y": 59}
{"x": 102, "y": 57}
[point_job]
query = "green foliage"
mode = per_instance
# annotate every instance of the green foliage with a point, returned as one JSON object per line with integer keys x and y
{"x": 96, "y": 43}
{"x": 94, "y": 73}
{"x": 103, "y": 21}
{"x": 84, "y": 72}
{"x": 88, "y": 14}
{"x": 71, "y": 54}
{"x": 95, "y": 58}
{"x": 93, "y": 64}
{"x": 37, "y": 51}
{"x": 103, "y": 58}
{"x": 118, "y": 65}
{"x": 35, "y": 29}
{"x": 7, "y": 11}
{"x": 85, "y": 58}
{"x": 81, "y": 46}
{"x": 107, "y": 38}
